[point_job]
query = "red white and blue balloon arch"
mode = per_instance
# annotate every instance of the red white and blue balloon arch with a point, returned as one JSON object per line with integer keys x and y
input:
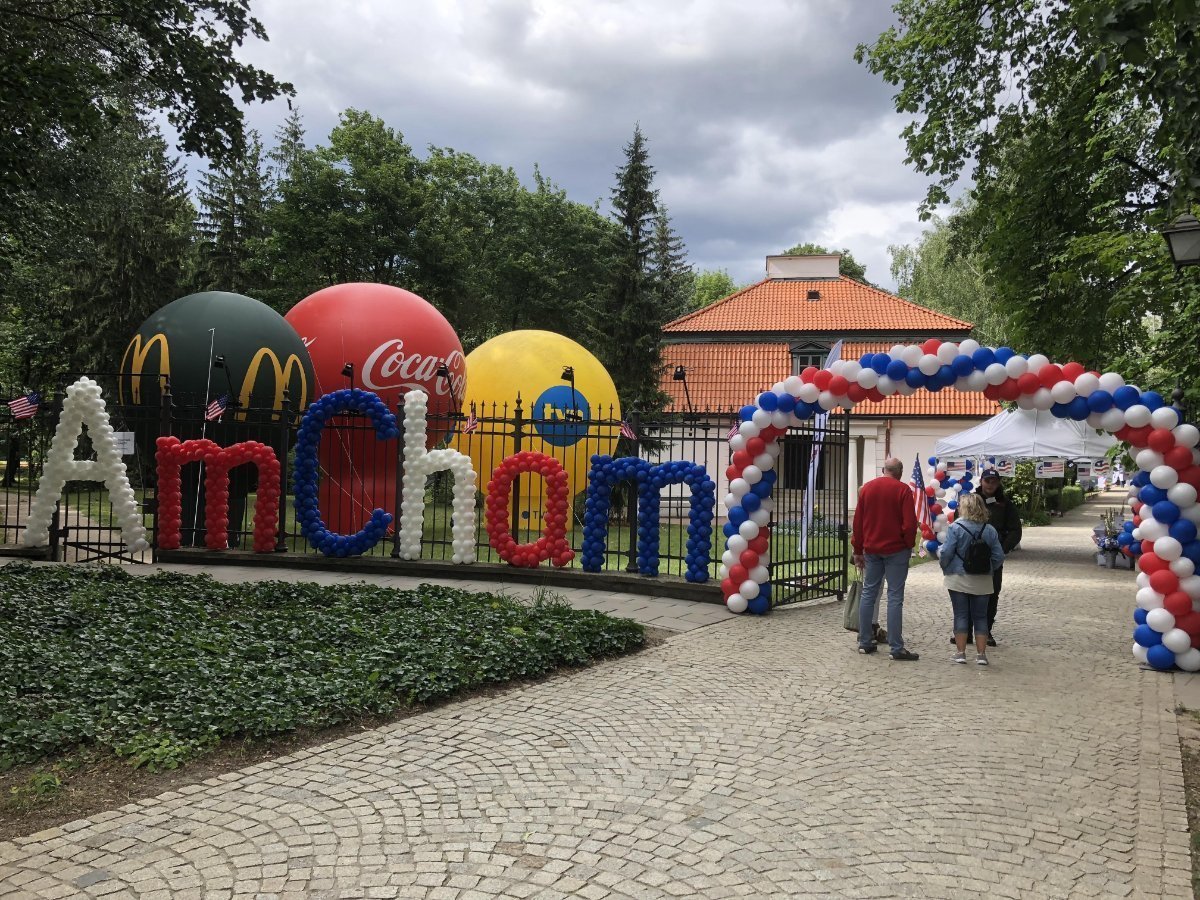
{"x": 1162, "y": 495}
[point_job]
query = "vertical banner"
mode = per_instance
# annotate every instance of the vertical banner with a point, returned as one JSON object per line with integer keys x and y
{"x": 814, "y": 461}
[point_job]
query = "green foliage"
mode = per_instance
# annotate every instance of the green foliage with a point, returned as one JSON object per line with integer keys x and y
{"x": 847, "y": 264}
{"x": 234, "y": 197}
{"x": 159, "y": 668}
{"x": 1070, "y": 497}
{"x": 1022, "y": 488}
{"x": 671, "y": 277}
{"x": 711, "y": 285}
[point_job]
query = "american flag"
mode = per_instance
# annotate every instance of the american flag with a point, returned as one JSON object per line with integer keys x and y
{"x": 216, "y": 409}
{"x": 472, "y": 423}
{"x": 921, "y": 503}
{"x": 627, "y": 431}
{"x": 25, "y": 407}
{"x": 736, "y": 429}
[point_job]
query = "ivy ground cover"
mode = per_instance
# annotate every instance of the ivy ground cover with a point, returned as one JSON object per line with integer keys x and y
{"x": 159, "y": 668}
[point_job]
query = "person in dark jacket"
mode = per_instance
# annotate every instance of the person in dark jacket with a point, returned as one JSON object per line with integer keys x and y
{"x": 1004, "y": 516}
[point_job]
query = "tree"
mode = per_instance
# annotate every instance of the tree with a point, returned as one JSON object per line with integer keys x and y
{"x": 63, "y": 64}
{"x": 234, "y": 196}
{"x": 629, "y": 334}
{"x": 711, "y": 285}
{"x": 847, "y": 264}
{"x": 671, "y": 278}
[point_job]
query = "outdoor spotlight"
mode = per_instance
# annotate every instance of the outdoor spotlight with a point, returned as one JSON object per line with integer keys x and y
{"x": 1183, "y": 240}
{"x": 680, "y": 374}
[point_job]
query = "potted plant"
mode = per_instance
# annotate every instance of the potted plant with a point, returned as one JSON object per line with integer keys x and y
{"x": 1104, "y": 536}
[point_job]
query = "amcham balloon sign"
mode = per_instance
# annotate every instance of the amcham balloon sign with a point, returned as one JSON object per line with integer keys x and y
{"x": 388, "y": 341}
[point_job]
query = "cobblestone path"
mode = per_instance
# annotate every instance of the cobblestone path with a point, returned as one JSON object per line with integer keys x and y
{"x": 757, "y": 757}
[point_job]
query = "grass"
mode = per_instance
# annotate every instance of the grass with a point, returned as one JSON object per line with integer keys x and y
{"x": 158, "y": 670}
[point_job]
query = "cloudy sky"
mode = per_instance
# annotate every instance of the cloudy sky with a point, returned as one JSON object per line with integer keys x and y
{"x": 762, "y": 129}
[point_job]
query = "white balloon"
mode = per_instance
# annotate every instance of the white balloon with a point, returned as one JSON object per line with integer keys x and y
{"x": 1112, "y": 420}
{"x": 1063, "y": 392}
{"x": 738, "y": 487}
{"x": 1094, "y": 419}
{"x": 1137, "y": 416}
{"x": 1110, "y": 381}
{"x": 850, "y": 369}
{"x": 1167, "y": 548}
{"x": 1181, "y": 494}
{"x": 996, "y": 374}
{"x": 1191, "y": 513}
{"x": 1087, "y": 384}
{"x": 748, "y": 589}
{"x": 977, "y": 381}
{"x": 947, "y": 352}
{"x": 1036, "y": 362}
{"x": 781, "y": 419}
{"x": 867, "y": 379}
{"x": 779, "y": 388}
{"x": 885, "y": 386}
{"x": 737, "y": 442}
{"x": 1195, "y": 456}
{"x": 1148, "y": 598}
{"x": 897, "y": 351}
{"x": 749, "y": 429}
{"x": 1183, "y": 567}
{"x": 752, "y": 474}
{"x": 1147, "y": 460}
{"x": 968, "y": 347}
{"x": 1016, "y": 366}
{"x": 1177, "y": 640}
{"x": 1191, "y": 586}
{"x": 761, "y": 517}
{"x": 1164, "y": 477}
{"x": 1139, "y": 652}
{"x": 912, "y": 354}
{"x": 736, "y": 603}
{"x": 1151, "y": 530}
{"x": 1186, "y": 435}
{"x": 759, "y": 574}
{"x": 1160, "y": 620}
{"x": 809, "y": 393}
{"x": 761, "y": 418}
{"x": 1164, "y": 417}
{"x": 792, "y": 384}
{"x": 1189, "y": 660}
{"x": 1042, "y": 399}
{"x": 749, "y": 530}
{"x": 905, "y": 389}
{"x": 1025, "y": 401}
{"x": 737, "y": 545}
{"x": 929, "y": 364}
{"x": 1142, "y": 579}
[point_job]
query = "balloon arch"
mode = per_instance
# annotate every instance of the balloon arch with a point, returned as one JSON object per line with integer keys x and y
{"x": 1163, "y": 494}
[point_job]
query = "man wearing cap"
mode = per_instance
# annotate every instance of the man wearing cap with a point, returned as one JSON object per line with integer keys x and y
{"x": 1004, "y": 517}
{"x": 885, "y": 529}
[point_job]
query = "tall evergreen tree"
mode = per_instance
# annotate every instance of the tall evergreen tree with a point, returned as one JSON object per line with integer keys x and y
{"x": 630, "y": 333}
{"x": 673, "y": 279}
{"x": 233, "y": 226}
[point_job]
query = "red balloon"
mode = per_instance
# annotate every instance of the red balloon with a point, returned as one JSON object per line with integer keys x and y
{"x": 738, "y": 574}
{"x": 396, "y": 341}
{"x": 856, "y": 393}
{"x": 1161, "y": 440}
{"x": 930, "y": 491}
{"x": 1009, "y": 390}
{"x": 749, "y": 559}
{"x": 822, "y": 379}
{"x": 727, "y": 587}
{"x": 1164, "y": 581}
{"x": 936, "y": 509}
{"x": 1150, "y": 563}
{"x": 809, "y": 374}
{"x": 756, "y": 446}
{"x": 838, "y": 386}
{"x": 1050, "y": 375}
{"x": 1139, "y": 437}
{"x": 992, "y": 392}
{"x": 931, "y": 345}
{"x": 1178, "y": 604}
{"x": 1029, "y": 383}
{"x": 875, "y": 395}
{"x": 760, "y": 544}
{"x": 1147, "y": 547}
{"x": 740, "y": 460}
{"x": 1191, "y": 475}
{"x": 1189, "y": 621}
{"x": 1122, "y": 433}
{"x": 1072, "y": 370}
{"x": 1178, "y": 458}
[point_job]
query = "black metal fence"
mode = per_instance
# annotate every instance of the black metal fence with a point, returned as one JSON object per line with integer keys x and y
{"x": 360, "y": 472}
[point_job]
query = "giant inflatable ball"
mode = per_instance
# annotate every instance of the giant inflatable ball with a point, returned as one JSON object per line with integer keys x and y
{"x": 210, "y": 345}
{"x": 561, "y": 420}
{"x": 393, "y": 342}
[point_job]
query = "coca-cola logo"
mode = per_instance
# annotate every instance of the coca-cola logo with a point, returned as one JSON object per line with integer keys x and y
{"x": 388, "y": 367}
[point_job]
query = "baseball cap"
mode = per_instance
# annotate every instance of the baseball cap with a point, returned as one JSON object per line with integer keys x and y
{"x": 989, "y": 473}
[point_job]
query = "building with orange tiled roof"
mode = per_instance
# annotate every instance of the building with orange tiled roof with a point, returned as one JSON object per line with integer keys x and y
{"x": 734, "y": 349}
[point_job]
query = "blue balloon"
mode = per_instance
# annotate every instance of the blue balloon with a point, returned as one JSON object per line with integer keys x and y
{"x": 970, "y": 464}
{"x": 1160, "y": 657}
{"x": 768, "y": 400}
{"x": 751, "y": 502}
{"x": 1183, "y": 530}
{"x": 737, "y": 515}
{"x": 746, "y": 413}
{"x": 867, "y": 360}
{"x": 881, "y": 362}
{"x": 897, "y": 370}
{"x": 1078, "y": 409}
{"x": 1152, "y": 400}
{"x": 1191, "y": 549}
{"x": 1100, "y": 401}
{"x": 760, "y": 605}
{"x": 953, "y": 504}
{"x": 1151, "y": 494}
{"x": 931, "y": 546}
{"x": 804, "y": 410}
{"x": 962, "y": 366}
{"x": 1139, "y": 616}
{"x": 728, "y": 529}
{"x": 915, "y": 378}
{"x": 1124, "y": 539}
{"x": 1165, "y": 511}
{"x": 786, "y": 403}
{"x": 1141, "y": 479}
{"x": 1146, "y": 636}
{"x": 1004, "y": 354}
{"x": 932, "y": 460}
{"x": 946, "y": 375}
{"x": 982, "y": 358}
{"x": 1059, "y": 410}
{"x": 1125, "y": 396}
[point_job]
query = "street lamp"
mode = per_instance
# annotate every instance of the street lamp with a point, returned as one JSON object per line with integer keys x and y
{"x": 568, "y": 375}
{"x": 681, "y": 375}
{"x": 348, "y": 372}
{"x": 443, "y": 374}
{"x": 1183, "y": 240}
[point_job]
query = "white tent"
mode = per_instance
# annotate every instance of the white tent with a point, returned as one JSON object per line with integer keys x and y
{"x": 1027, "y": 434}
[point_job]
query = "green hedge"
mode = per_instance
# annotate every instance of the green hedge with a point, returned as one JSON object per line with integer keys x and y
{"x": 1071, "y": 497}
{"x": 159, "y": 668}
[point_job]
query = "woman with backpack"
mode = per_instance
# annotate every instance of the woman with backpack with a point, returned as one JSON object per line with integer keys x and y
{"x": 968, "y": 557}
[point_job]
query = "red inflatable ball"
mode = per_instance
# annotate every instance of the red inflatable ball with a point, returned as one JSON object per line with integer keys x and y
{"x": 1150, "y": 563}
{"x": 1178, "y": 458}
{"x": 838, "y": 386}
{"x": 1178, "y": 604}
{"x": 822, "y": 379}
{"x": 1164, "y": 581}
{"x": 1072, "y": 370}
{"x": 749, "y": 559}
{"x": 931, "y": 346}
{"x": 760, "y": 544}
{"x": 1189, "y": 622}
{"x": 552, "y": 545}
{"x": 1191, "y": 475}
{"x": 1010, "y": 390}
{"x": 756, "y": 446}
{"x": 856, "y": 393}
{"x": 1029, "y": 384}
{"x": 1050, "y": 375}
{"x": 1139, "y": 437}
{"x": 809, "y": 373}
{"x": 1161, "y": 440}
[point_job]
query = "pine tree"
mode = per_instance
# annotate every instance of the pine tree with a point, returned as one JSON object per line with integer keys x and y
{"x": 233, "y": 224}
{"x": 289, "y": 147}
{"x": 630, "y": 334}
{"x": 671, "y": 276}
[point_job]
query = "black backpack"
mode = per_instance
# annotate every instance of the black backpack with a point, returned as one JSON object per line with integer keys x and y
{"x": 978, "y": 558}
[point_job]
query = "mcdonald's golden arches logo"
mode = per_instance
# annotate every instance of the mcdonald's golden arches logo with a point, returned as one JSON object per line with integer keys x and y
{"x": 140, "y": 349}
{"x": 283, "y": 376}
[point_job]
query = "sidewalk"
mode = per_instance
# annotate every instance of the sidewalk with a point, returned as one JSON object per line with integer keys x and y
{"x": 756, "y": 757}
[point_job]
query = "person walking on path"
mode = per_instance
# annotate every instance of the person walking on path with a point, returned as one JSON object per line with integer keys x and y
{"x": 968, "y": 574}
{"x": 885, "y": 528}
{"x": 1006, "y": 519}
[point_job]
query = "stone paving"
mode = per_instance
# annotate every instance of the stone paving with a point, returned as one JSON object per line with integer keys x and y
{"x": 755, "y": 757}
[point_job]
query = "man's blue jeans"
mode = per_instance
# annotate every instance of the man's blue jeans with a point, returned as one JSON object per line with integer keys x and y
{"x": 893, "y": 567}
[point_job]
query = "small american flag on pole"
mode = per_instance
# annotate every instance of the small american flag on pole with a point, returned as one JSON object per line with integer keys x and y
{"x": 921, "y": 503}
{"x": 472, "y": 423}
{"x": 216, "y": 409}
{"x": 736, "y": 429}
{"x": 627, "y": 431}
{"x": 25, "y": 407}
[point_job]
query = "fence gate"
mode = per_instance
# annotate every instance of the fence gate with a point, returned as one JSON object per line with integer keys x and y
{"x": 813, "y": 484}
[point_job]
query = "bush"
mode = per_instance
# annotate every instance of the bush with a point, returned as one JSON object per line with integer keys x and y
{"x": 1035, "y": 517}
{"x": 159, "y": 668}
{"x": 1071, "y": 497}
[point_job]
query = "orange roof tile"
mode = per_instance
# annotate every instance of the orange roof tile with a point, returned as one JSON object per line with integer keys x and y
{"x": 723, "y": 377}
{"x": 845, "y": 305}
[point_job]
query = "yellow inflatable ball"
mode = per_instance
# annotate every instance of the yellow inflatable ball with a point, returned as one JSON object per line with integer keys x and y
{"x": 565, "y": 394}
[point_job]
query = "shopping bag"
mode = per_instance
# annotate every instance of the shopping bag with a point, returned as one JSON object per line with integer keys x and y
{"x": 850, "y": 611}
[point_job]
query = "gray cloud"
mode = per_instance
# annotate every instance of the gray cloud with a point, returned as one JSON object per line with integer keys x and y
{"x": 763, "y": 130}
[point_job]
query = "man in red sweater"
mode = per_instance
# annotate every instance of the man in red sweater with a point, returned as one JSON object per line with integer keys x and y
{"x": 885, "y": 529}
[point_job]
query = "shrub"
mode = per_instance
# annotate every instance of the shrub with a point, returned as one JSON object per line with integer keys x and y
{"x": 1071, "y": 497}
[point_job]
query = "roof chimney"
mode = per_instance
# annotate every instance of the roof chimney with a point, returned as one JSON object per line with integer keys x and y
{"x": 803, "y": 268}
{"x": 814, "y": 294}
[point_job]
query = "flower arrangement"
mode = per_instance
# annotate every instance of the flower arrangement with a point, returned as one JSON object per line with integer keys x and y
{"x": 1105, "y": 536}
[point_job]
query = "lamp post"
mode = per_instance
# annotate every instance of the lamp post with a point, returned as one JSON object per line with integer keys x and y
{"x": 681, "y": 375}
{"x": 348, "y": 371}
{"x": 219, "y": 363}
{"x": 443, "y": 373}
{"x": 568, "y": 375}
{"x": 1183, "y": 240}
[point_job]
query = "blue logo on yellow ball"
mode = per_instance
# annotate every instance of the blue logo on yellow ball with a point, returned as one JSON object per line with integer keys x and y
{"x": 561, "y": 415}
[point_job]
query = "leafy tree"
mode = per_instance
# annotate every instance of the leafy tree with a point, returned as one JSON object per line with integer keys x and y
{"x": 671, "y": 278}
{"x": 630, "y": 331}
{"x": 711, "y": 285}
{"x": 234, "y": 196}
{"x": 847, "y": 264}
{"x": 63, "y": 63}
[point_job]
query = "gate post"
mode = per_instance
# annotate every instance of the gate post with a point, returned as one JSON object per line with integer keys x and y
{"x": 635, "y": 422}
{"x": 399, "y": 478}
{"x": 285, "y": 424}
{"x": 518, "y": 436}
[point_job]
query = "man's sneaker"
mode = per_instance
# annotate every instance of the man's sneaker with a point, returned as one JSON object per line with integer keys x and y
{"x": 991, "y": 641}
{"x": 870, "y": 648}
{"x": 981, "y": 661}
{"x": 905, "y": 655}
{"x": 960, "y": 658}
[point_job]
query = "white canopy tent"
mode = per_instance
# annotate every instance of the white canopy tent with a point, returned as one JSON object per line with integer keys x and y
{"x": 1027, "y": 434}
